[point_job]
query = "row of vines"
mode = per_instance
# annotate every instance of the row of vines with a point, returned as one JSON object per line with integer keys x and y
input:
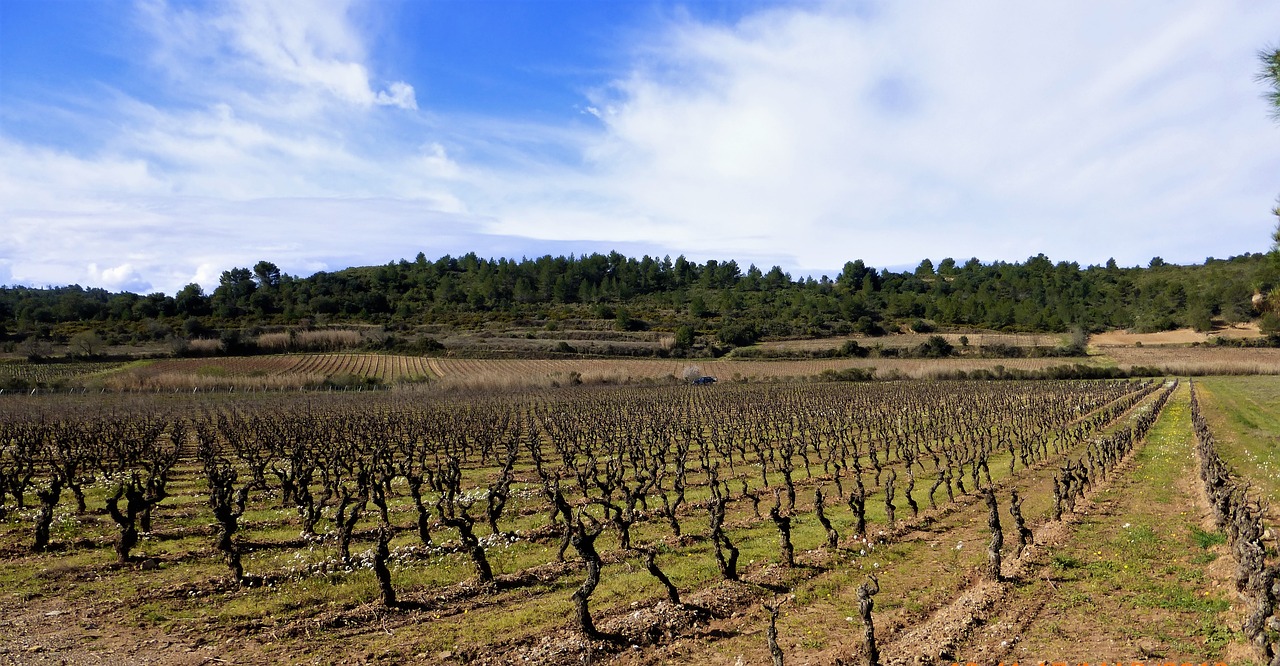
{"x": 1240, "y": 515}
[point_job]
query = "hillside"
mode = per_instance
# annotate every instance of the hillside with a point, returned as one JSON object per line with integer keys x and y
{"x": 614, "y": 305}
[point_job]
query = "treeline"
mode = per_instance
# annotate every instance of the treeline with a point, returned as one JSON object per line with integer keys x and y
{"x": 715, "y": 297}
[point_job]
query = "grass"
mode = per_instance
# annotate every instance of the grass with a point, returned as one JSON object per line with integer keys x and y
{"x": 1206, "y": 540}
{"x": 1145, "y": 556}
{"x": 1244, "y": 414}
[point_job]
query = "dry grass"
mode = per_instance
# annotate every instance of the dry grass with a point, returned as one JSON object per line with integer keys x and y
{"x": 319, "y": 341}
{"x": 180, "y": 381}
{"x": 1197, "y": 361}
{"x": 205, "y": 346}
{"x": 1181, "y": 336}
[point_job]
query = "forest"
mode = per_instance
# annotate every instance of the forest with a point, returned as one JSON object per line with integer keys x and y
{"x": 682, "y": 296}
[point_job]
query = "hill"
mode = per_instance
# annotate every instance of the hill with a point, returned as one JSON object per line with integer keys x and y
{"x": 615, "y": 305}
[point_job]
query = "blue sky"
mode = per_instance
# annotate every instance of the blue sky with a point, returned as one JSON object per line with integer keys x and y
{"x": 145, "y": 145}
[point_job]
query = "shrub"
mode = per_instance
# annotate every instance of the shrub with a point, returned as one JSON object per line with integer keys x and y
{"x": 848, "y": 375}
{"x": 851, "y": 348}
{"x": 739, "y": 334}
{"x": 868, "y": 326}
{"x": 1269, "y": 324}
{"x": 935, "y": 347}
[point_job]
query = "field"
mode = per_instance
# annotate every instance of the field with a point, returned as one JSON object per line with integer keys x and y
{"x": 19, "y": 375}
{"x": 1181, "y": 336}
{"x": 497, "y": 365}
{"x": 397, "y": 527}
{"x": 283, "y": 371}
{"x": 979, "y": 339}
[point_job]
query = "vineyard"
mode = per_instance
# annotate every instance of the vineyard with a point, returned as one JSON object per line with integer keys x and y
{"x": 285, "y": 371}
{"x": 350, "y": 371}
{"x": 889, "y": 522}
{"x": 24, "y": 375}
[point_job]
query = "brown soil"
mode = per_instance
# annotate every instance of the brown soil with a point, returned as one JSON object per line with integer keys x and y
{"x": 47, "y": 631}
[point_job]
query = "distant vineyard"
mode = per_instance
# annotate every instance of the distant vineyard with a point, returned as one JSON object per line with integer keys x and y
{"x": 295, "y": 371}
{"x": 43, "y": 375}
{"x": 272, "y": 372}
{"x": 1204, "y": 360}
{"x": 498, "y": 372}
{"x": 300, "y": 371}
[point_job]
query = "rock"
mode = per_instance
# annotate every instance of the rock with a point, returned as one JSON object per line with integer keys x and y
{"x": 1149, "y": 647}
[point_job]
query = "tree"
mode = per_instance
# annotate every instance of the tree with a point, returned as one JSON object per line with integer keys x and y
{"x": 192, "y": 301}
{"x": 234, "y": 289}
{"x": 87, "y": 344}
{"x": 36, "y": 348}
{"x": 684, "y": 337}
{"x": 1270, "y": 75}
{"x": 267, "y": 274}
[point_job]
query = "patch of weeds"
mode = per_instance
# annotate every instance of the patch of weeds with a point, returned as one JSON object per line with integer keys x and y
{"x": 1190, "y": 575}
{"x": 1203, "y": 558}
{"x": 1102, "y": 568}
{"x": 1206, "y": 540}
{"x": 1143, "y": 540}
{"x": 1215, "y": 635}
{"x": 813, "y": 643}
{"x": 1074, "y": 599}
{"x": 154, "y": 614}
{"x": 1173, "y": 597}
{"x": 1065, "y": 562}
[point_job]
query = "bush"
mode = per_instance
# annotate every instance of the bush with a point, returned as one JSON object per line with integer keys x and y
{"x": 848, "y": 375}
{"x": 1269, "y": 324}
{"x": 868, "y": 326}
{"x": 426, "y": 345}
{"x": 739, "y": 334}
{"x": 935, "y": 347}
{"x": 852, "y": 349}
{"x": 922, "y": 326}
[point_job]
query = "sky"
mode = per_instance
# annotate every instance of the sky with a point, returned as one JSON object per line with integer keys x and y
{"x": 150, "y": 144}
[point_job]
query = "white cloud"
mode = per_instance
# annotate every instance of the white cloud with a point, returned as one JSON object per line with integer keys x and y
{"x": 302, "y": 46}
{"x": 120, "y": 278}
{"x": 401, "y": 95}
{"x": 799, "y": 136}
{"x": 167, "y": 242}
{"x": 996, "y": 129}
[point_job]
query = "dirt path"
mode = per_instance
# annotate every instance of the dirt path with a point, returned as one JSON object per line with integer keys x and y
{"x": 1134, "y": 582}
{"x": 47, "y": 631}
